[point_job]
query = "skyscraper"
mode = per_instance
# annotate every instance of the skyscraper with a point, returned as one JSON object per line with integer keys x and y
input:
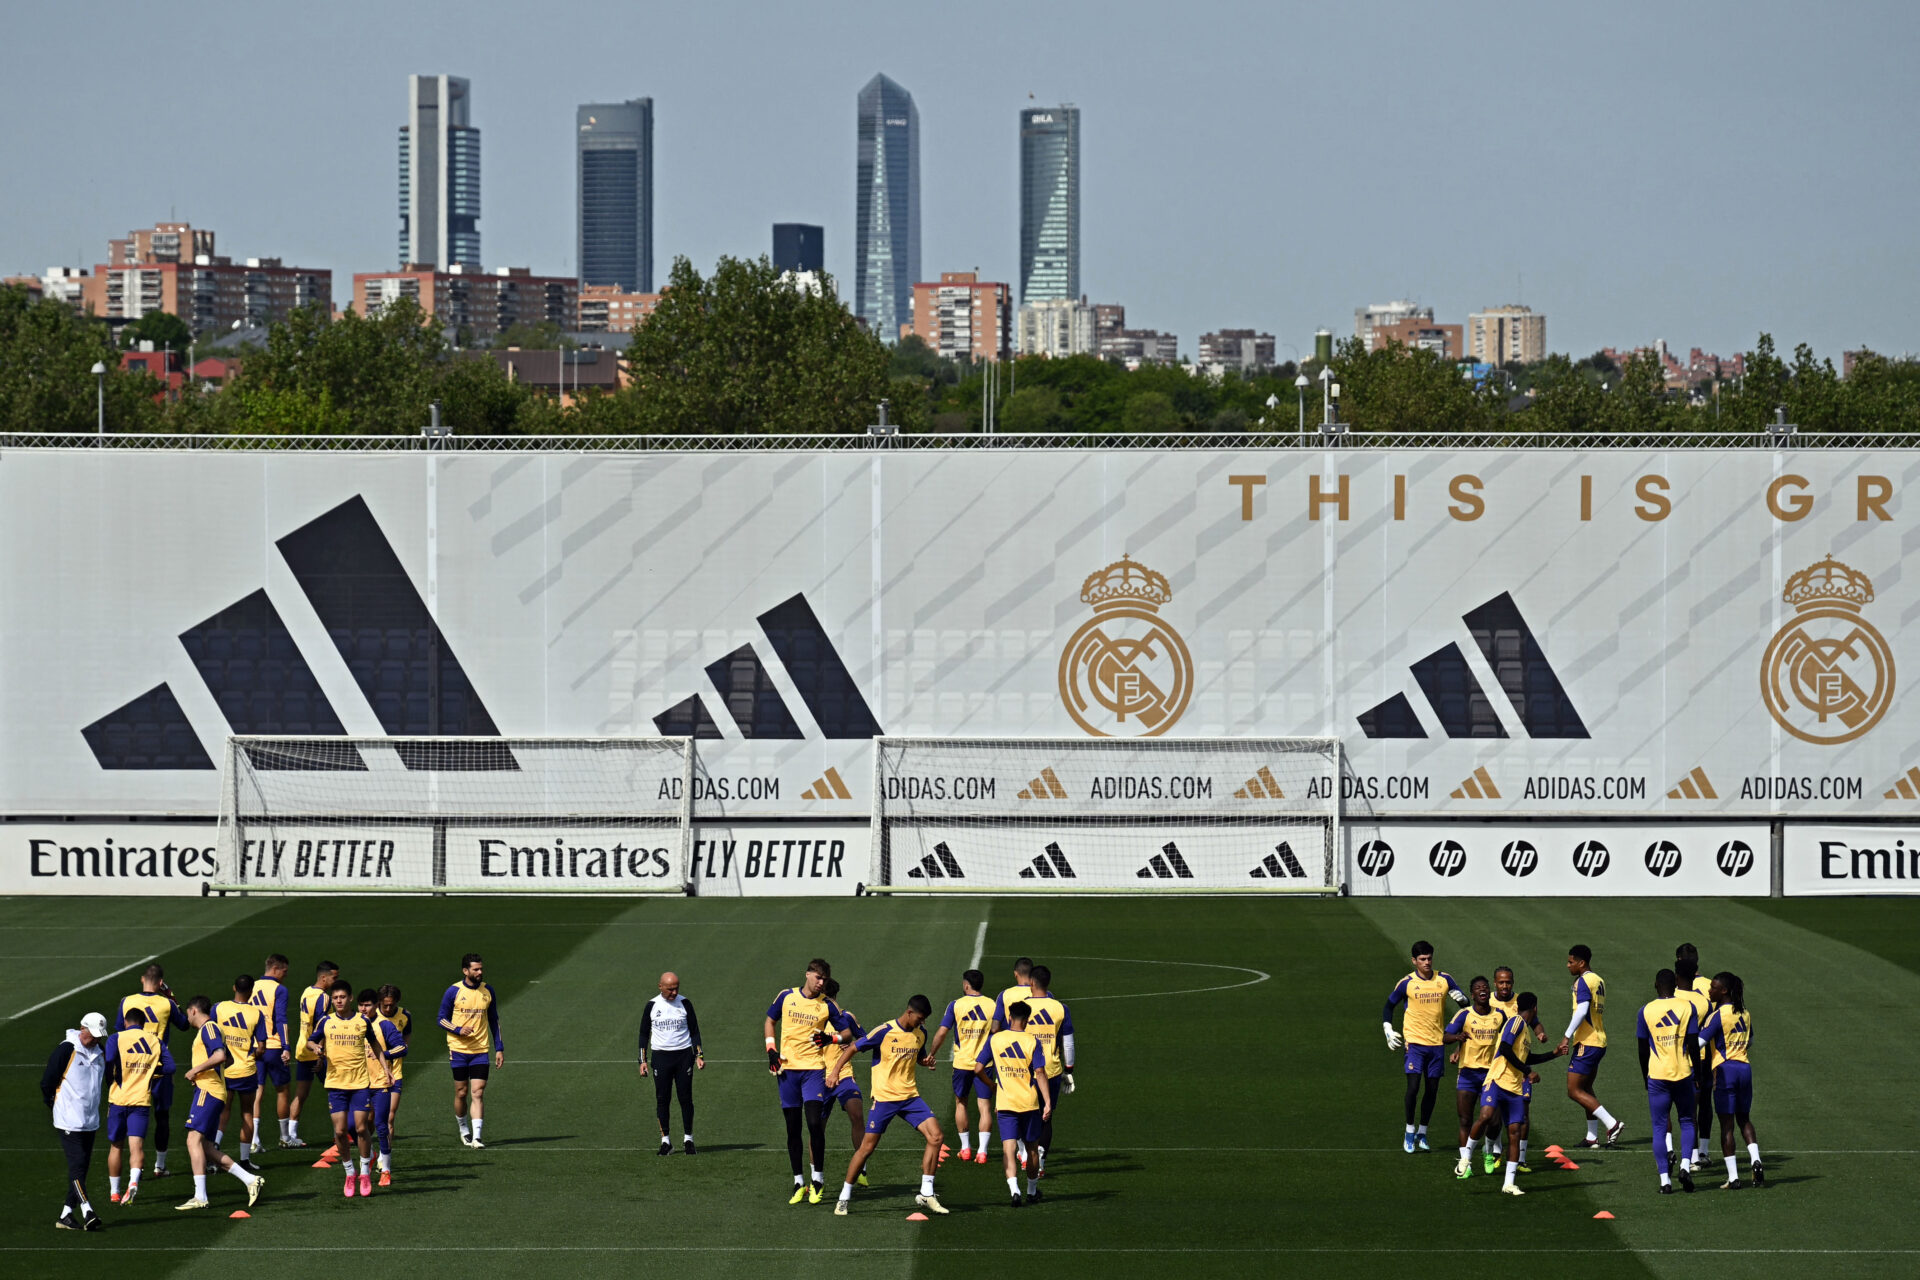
{"x": 439, "y": 175}
{"x": 886, "y": 249}
{"x": 799, "y": 246}
{"x": 614, "y": 152}
{"x": 1049, "y": 204}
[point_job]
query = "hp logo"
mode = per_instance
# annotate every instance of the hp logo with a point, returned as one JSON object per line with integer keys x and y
{"x": 1663, "y": 858}
{"x": 1590, "y": 858}
{"x": 1447, "y": 858}
{"x": 1375, "y": 858}
{"x": 1735, "y": 858}
{"x": 1519, "y": 858}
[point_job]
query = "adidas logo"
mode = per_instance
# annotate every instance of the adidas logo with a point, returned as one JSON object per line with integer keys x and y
{"x": 1907, "y": 788}
{"x": 829, "y": 787}
{"x": 1694, "y": 787}
{"x": 1261, "y": 786}
{"x": 1668, "y": 1019}
{"x": 1040, "y": 1018}
{"x": 1663, "y": 858}
{"x": 1044, "y": 787}
{"x": 1052, "y": 866}
{"x": 975, "y": 1014}
{"x": 747, "y": 691}
{"x": 1166, "y": 865}
{"x": 1477, "y": 787}
{"x": 1014, "y": 1050}
{"x": 938, "y": 865}
{"x": 1282, "y": 865}
{"x": 1454, "y": 696}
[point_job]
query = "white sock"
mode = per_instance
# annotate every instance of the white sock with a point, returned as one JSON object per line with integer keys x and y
{"x": 1423, "y": 1131}
{"x": 665, "y": 1141}
{"x": 1020, "y": 1152}
{"x": 133, "y": 1179}
{"x": 286, "y": 1130}
{"x": 1753, "y": 1152}
{"x": 1523, "y": 1151}
{"x": 199, "y": 1186}
{"x": 1032, "y": 1184}
{"x": 239, "y": 1173}
{"x": 477, "y": 1122}
{"x": 1013, "y": 1185}
{"x": 1600, "y": 1114}
{"x": 160, "y": 1162}
{"x": 1665, "y": 1181}
{"x": 386, "y": 1163}
{"x": 219, "y": 1137}
{"x": 1593, "y": 1129}
{"x": 113, "y": 1186}
{"x": 1466, "y": 1152}
{"x": 926, "y": 1184}
{"x": 465, "y": 1129}
{"x": 816, "y": 1174}
{"x": 1669, "y": 1142}
{"x": 686, "y": 1138}
{"x": 1733, "y": 1168}
{"x": 983, "y": 1142}
{"x": 1040, "y": 1154}
{"x": 363, "y": 1166}
{"x": 1513, "y": 1169}
{"x": 846, "y": 1190}
{"x": 799, "y": 1181}
{"x": 1409, "y": 1129}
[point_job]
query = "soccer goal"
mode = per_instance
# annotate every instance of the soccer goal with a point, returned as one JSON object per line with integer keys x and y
{"x": 1105, "y": 815}
{"x": 461, "y": 815}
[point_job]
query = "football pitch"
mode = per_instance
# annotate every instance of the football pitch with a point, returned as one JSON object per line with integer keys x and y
{"x": 1237, "y": 1111}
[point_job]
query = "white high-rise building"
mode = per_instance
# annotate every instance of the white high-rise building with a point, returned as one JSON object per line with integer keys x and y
{"x": 439, "y": 175}
{"x": 1065, "y": 327}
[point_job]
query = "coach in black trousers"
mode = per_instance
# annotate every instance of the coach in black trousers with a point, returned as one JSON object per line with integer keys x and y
{"x": 670, "y": 1032}
{"x": 71, "y": 1088}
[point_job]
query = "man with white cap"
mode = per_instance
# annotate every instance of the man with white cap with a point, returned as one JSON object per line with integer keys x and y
{"x": 71, "y": 1087}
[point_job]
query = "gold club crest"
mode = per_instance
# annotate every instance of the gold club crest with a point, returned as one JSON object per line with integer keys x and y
{"x": 1827, "y": 676}
{"x": 1126, "y": 673}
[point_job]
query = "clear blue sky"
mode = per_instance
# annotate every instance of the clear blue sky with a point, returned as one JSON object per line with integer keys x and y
{"x": 1694, "y": 172}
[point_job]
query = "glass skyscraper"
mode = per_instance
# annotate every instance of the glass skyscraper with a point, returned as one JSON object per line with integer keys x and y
{"x": 439, "y": 175}
{"x": 614, "y": 167}
{"x": 886, "y": 236}
{"x": 1049, "y": 204}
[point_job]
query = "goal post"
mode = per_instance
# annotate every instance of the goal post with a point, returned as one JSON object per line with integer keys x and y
{"x": 1105, "y": 815}
{"x": 456, "y": 815}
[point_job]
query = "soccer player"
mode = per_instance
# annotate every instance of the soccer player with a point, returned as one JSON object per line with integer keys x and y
{"x": 670, "y": 1030}
{"x": 1022, "y": 972}
{"x": 1017, "y": 1063}
{"x": 244, "y": 1029}
{"x": 384, "y": 1051}
{"x": 270, "y": 997}
{"x": 402, "y": 1019}
{"x": 1690, "y": 982}
{"x": 1503, "y": 1100}
{"x": 1051, "y": 1022}
{"x": 898, "y": 1047}
{"x": 1476, "y": 1030}
{"x": 1422, "y": 990}
{"x": 842, "y": 1090}
{"x": 209, "y": 1103}
{"x": 1587, "y": 1035}
{"x": 1728, "y": 1032}
{"x": 797, "y": 1016}
{"x": 471, "y": 1016}
{"x": 1508, "y": 1004}
{"x": 160, "y": 1013}
{"x": 136, "y": 1060}
{"x": 345, "y": 1041}
{"x": 313, "y": 1006}
{"x": 1669, "y": 1031}
{"x": 969, "y": 1020}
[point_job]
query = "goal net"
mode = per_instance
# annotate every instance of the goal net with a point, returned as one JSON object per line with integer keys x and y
{"x": 467, "y": 815}
{"x": 1105, "y": 815}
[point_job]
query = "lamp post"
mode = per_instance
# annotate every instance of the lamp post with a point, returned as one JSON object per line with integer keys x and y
{"x": 100, "y": 398}
{"x": 1326, "y": 394}
{"x": 1300, "y": 387}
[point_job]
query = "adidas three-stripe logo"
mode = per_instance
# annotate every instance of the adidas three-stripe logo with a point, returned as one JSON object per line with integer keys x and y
{"x": 938, "y": 865}
{"x": 1281, "y": 864}
{"x": 1166, "y": 865}
{"x": 1052, "y": 866}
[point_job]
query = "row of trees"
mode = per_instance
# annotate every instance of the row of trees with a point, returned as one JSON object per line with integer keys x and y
{"x": 743, "y": 351}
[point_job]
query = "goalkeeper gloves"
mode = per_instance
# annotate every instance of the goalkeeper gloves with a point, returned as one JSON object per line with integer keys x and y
{"x": 1393, "y": 1037}
{"x": 1068, "y": 1077}
{"x": 824, "y": 1038}
{"x": 773, "y": 1056}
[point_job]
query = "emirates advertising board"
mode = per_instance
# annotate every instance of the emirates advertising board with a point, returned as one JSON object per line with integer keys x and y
{"x": 1629, "y": 634}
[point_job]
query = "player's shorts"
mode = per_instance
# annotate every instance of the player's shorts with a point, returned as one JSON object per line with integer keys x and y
{"x": 1472, "y": 1080}
{"x": 395, "y": 1086}
{"x": 798, "y": 1087}
{"x": 163, "y": 1093}
{"x": 1662, "y": 1094}
{"x": 273, "y": 1066}
{"x": 1732, "y": 1088}
{"x": 471, "y": 1066}
{"x": 303, "y": 1070}
{"x": 1019, "y": 1126}
{"x": 1508, "y": 1108}
{"x": 1585, "y": 1061}
{"x": 965, "y": 1083}
{"x": 125, "y": 1122}
{"x": 243, "y": 1084}
{"x": 914, "y": 1111}
{"x": 1429, "y": 1060}
{"x": 349, "y": 1100}
{"x": 204, "y": 1116}
{"x": 845, "y": 1090}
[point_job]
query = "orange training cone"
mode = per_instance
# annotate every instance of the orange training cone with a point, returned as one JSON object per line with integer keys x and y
{"x": 239, "y": 1213}
{"x": 916, "y": 1217}
{"x": 1604, "y": 1214}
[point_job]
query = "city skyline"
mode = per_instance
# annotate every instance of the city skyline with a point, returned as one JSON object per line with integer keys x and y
{"x": 613, "y": 143}
{"x": 886, "y": 220}
{"x": 1050, "y": 204}
{"x": 1645, "y": 191}
{"x": 439, "y": 174}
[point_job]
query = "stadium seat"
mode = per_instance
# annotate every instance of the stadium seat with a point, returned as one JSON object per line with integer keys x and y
{"x": 368, "y": 644}
{"x": 249, "y": 642}
{"x": 363, "y": 673}
{"x": 213, "y": 671}
{"x": 419, "y": 674}
{"x": 240, "y": 674}
{"x": 388, "y": 707}
{"x": 147, "y": 742}
{"x": 419, "y": 713}
{"x": 400, "y": 644}
{"x": 119, "y": 736}
{"x": 263, "y": 712}
{"x": 296, "y": 713}
{"x": 219, "y": 643}
{"x": 393, "y": 676}
{"x": 233, "y": 705}
{"x": 280, "y": 645}
{"x": 342, "y": 640}
{"x": 272, "y": 675}
{"x": 178, "y": 745}
{"x": 453, "y": 712}
{"x": 196, "y": 645}
{"x": 1508, "y": 671}
{"x": 1506, "y": 646}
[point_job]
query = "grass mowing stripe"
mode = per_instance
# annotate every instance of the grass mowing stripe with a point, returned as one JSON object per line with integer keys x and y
{"x": 85, "y": 986}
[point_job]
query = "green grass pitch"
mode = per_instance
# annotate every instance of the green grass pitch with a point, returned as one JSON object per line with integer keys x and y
{"x": 1238, "y": 1112}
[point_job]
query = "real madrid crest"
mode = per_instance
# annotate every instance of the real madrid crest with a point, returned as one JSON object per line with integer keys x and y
{"x": 1827, "y": 675}
{"x": 1125, "y": 672}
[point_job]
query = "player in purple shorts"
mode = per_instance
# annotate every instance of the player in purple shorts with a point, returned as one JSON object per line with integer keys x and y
{"x": 843, "y": 1091}
{"x": 1425, "y": 993}
{"x": 1728, "y": 1034}
{"x": 1587, "y": 1037}
{"x": 898, "y": 1047}
{"x": 1503, "y": 1102}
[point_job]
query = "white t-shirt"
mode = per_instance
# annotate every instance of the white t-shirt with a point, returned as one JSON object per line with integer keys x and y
{"x": 667, "y": 1020}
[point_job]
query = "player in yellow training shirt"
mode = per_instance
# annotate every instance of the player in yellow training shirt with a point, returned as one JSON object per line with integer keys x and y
{"x": 470, "y": 1013}
{"x": 161, "y": 1014}
{"x": 306, "y": 1059}
{"x": 1728, "y": 1033}
{"x": 1587, "y": 1036}
{"x": 402, "y": 1019}
{"x": 209, "y": 1105}
{"x": 385, "y": 1048}
{"x": 969, "y": 1020}
{"x": 1669, "y": 1032}
{"x": 1425, "y": 992}
{"x": 1476, "y": 1029}
{"x": 244, "y": 1029}
{"x": 898, "y": 1047}
{"x": 1503, "y": 1100}
{"x": 1022, "y": 973}
{"x": 136, "y": 1060}
{"x": 1017, "y": 1062}
{"x": 270, "y": 997}
{"x": 345, "y": 1040}
{"x": 796, "y": 1021}
{"x": 1508, "y": 1003}
{"x": 1051, "y": 1022}
{"x": 844, "y": 1091}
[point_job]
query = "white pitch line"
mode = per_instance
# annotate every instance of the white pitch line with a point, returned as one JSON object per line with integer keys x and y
{"x": 84, "y": 986}
{"x": 1259, "y": 977}
{"x": 388, "y": 1248}
{"x": 979, "y": 945}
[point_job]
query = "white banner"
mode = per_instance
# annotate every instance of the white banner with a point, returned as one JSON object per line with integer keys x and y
{"x": 773, "y": 859}
{"x": 1883, "y": 858}
{"x": 119, "y": 859}
{"x": 1134, "y": 855}
{"x": 1556, "y": 859}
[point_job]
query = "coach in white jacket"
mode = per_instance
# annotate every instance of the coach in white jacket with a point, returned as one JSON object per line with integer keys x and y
{"x": 71, "y": 1087}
